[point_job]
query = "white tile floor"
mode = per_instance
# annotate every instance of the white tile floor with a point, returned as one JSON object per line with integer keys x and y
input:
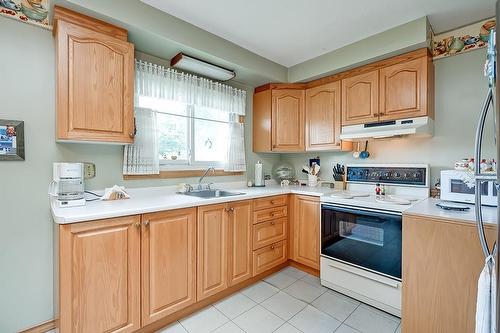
{"x": 290, "y": 301}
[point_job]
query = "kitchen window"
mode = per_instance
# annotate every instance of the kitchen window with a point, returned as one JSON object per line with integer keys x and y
{"x": 184, "y": 122}
{"x": 189, "y": 136}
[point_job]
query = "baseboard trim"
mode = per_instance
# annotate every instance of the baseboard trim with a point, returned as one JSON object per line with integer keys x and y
{"x": 304, "y": 268}
{"x": 41, "y": 328}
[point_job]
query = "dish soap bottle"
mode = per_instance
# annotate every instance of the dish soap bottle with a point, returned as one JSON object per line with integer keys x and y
{"x": 377, "y": 189}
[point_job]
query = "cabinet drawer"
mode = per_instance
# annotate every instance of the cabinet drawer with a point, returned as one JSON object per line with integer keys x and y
{"x": 269, "y": 214}
{"x": 269, "y": 202}
{"x": 268, "y": 257}
{"x": 269, "y": 232}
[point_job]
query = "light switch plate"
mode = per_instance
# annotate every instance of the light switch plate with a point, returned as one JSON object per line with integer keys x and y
{"x": 88, "y": 170}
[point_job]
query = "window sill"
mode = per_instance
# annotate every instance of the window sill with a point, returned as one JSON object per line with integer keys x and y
{"x": 182, "y": 174}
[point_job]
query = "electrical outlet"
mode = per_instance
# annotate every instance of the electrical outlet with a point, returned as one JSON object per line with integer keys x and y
{"x": 88, "y": 170}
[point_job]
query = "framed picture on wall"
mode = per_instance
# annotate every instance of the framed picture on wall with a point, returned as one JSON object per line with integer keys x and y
{"x": 34, "y": 12}
{"x": 11, "y": 140}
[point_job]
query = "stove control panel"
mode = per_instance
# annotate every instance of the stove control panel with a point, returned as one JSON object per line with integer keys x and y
{"x": 414, "y": 176}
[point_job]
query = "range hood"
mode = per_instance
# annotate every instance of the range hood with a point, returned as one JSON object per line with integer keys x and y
{"x": 421, "y": 126}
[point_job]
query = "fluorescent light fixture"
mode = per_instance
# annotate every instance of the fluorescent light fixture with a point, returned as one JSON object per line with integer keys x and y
{"x": 201, "y": 67}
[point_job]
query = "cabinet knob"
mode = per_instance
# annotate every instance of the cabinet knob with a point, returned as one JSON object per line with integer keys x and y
{"x": 272, "y": 247}
{"x": 272, "y": 214}
{"x": 137, "y": 224}
{"x": 272, "y": 202}
{"x": 272, "y": 222}
{"x": 146, "y": 223}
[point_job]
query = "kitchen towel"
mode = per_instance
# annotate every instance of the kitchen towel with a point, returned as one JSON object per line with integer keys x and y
{"x": 486, "y": 293}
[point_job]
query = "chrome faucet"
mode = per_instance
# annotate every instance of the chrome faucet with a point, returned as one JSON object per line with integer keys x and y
{"x": 200, "y": 187}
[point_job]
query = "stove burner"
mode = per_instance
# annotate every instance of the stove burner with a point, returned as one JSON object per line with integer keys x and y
{"x": 390, "y": 199}
{"x": 348, "y": 195}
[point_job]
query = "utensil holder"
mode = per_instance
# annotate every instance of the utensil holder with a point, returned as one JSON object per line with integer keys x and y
{"x": 312, "y": 180}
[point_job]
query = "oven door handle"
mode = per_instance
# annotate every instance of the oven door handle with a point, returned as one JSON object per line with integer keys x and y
{"x": 394, "y": 284}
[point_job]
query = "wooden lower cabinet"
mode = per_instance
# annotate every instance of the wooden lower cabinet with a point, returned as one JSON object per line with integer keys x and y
{"x": 269, "y": 232}
{"x": 224, "y": 246}
{"x": 305, "y": 224}
{"x": 240, "y": 242}
{"x": 442, "y": 260}
{"x": 212, "y": 250}
{"x": 269, "y": 256}
{"x": 168, "y": 263}
{"x": 122, "y": 274}
{"x": 99, "y": 276}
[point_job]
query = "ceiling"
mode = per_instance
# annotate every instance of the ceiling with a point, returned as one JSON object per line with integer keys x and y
{"x": 289, "y": 32}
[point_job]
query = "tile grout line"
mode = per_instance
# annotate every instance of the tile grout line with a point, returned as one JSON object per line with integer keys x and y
{"x": 222, "y": 315}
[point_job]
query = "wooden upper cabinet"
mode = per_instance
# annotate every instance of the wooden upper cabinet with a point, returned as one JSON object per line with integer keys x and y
{"x": 403, "y": 90}
{"x": 99, "y": 276}
{"x": 168, "y": 263}
{"x": 95, "y": 80}
{"x": 360, "y": 98}
{"x": 261, "y": 115}
{"x": 305, "y": 230}
{"x": 212, "y": 276}
{"x": 239, "y": 242}
{"x": 287, "y": 120}
{"x": 323, "y": 115}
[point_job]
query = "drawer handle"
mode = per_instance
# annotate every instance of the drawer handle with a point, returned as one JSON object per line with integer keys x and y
{"x": 134, "y": 133}
{"x": 393, "y": 285}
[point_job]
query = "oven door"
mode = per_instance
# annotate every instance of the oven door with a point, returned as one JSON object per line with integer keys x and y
{"x": 365, "y": 238}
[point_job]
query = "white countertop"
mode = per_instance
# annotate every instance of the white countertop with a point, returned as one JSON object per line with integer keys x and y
{"x": 155, "y": 199}
{"x": 428, "y": 207}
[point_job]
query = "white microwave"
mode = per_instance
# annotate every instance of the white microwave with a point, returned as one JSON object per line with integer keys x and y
{"x": 453, "y": 188}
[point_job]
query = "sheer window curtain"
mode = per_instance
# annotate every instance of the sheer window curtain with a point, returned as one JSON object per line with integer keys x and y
{"x": 141, "y": 158}
{"x": 166, "y": 83}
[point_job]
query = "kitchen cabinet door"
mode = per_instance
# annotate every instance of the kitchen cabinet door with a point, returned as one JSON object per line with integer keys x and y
{"x": 212, "y": 276}
{"x": 403, "y": 90}
{"x": 95, "y": 81}
{"x": 239, "y": 242}
{"x": 305, "y": 224}
{"x": 99, "y": 276}
{"x": 360, "y": 99}
{"x": 323, "y": 115}
{"x": 288, "y": 120}
{"x": 168, "y": 263}
{"x": 442, "y": 260}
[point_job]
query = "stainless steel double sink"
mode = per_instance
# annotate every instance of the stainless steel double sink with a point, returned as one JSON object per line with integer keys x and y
{"x": 208, "y": 194}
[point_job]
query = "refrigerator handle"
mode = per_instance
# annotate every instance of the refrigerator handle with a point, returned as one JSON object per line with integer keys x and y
{"x": 477, "y": 168}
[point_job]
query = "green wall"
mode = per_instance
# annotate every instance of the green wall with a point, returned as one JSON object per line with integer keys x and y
{"x": 27, "y": 81}
{"x": 460, "y": 90}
